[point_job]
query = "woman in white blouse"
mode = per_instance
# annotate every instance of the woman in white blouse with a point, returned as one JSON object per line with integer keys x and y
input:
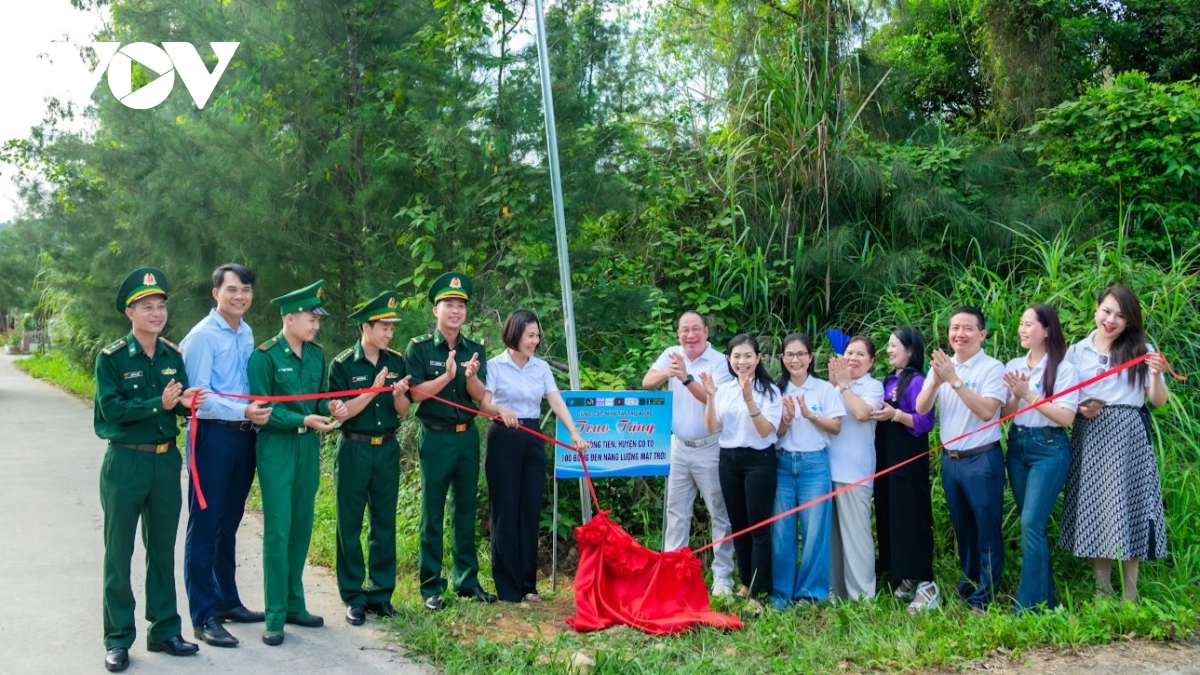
{"x": 1039, "y": 453}
{"x": 516, "y": 461}
{"x": 1113, "y": 506}
{"x": 812, "y": 414}
{"x": 746, "y": 411}
{"x": 851, "y": 459}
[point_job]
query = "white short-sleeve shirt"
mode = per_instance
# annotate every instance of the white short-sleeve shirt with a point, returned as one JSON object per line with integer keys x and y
{"x": 822, "y": 399}
{"x": 1065, "y": 378}
{"x": 737, "y": 428}
{"x": 520, "y": 389}
{"x": 687, "y": 413}
{"x": 852, "y": 452}
{"x": 983, "y": 375}
{"x": 1114, "y": 389}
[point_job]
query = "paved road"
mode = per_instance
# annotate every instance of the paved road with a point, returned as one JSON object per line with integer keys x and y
{"x": 51, "y": 549}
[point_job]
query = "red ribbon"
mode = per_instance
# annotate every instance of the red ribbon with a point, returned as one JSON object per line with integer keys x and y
{"x": 346, "y": 394}
{"x": 817, "y": 500}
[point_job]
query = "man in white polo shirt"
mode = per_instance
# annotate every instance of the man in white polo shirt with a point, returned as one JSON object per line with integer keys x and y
{"x": 694, "y": 452}
{"x": 969, "y": 389}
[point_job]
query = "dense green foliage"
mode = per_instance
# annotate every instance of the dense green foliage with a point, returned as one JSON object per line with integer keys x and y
{"x": 786, "y": 165}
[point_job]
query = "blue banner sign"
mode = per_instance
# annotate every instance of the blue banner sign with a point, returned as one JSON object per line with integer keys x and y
{"x": 630, "y": 433}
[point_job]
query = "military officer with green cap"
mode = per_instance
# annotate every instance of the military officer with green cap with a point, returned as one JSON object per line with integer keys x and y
{"x": 366, "y": 467}
{"x": 287, "y": 452}
{"x": 452, "y": 366}
{"x": 141, "y": 388}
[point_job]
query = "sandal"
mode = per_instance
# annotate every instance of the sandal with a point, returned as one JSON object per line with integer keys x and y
{"x": 906, "y": 590}
{"x": 925, "y": 597}
{"x": 743, "y": 592}
{"x": 532, "y": 597}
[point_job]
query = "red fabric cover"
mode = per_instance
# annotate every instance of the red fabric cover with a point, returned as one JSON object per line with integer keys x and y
{"x": 619, "y": 581}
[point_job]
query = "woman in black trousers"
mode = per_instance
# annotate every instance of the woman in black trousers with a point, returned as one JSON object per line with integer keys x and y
{"x": 515, "y": 466}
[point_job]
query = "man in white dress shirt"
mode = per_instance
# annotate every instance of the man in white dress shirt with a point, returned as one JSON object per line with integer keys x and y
{"x": 695, "y": 453}
{"x": 969, "y": 389}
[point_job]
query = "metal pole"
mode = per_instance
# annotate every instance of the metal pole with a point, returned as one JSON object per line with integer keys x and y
{"x": 560, "y": 222}
{"x": 554, "y": 535}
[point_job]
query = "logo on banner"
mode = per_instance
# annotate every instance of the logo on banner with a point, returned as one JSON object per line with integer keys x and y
{"x": 170, "y": 58}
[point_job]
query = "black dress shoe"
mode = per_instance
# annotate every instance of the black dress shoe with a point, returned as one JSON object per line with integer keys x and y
{"x": 477, "y": 593}
{"x": 116, "y": 660}
{"x": 212, "y": 633}
{"x": 382, "y": 608}
{"x": 306, "y": 620}
{"x": 240, "y": 615}
{"x": 175, "y": 646}
{"x": 273, "y": 639}
{"x": 356, "y": 615}
{"x": 434, "y": 603}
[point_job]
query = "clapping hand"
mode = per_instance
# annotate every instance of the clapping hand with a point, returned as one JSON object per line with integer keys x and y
{"x": 339, "y": 410}
{"x": 171, "y": 394}
{"x": 887, "y": 412}
{"x": 839, "y": 371}
{"x": 710, "y": 385}
{"x": 789, "y": 410}
{"x": 678, "y": 368}
{"x": 472, "y": 367}
{"x": 451, "y": 365}
{"x": 943, "y": 367}
{"x": 1018, "y": 384}
{"x": 400, "y": 388}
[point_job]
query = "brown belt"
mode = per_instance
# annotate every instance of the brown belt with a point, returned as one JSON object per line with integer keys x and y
{"x": 369, "y": 440}
{"x": 456, "y": 428}
{"x": 156, "y": 448}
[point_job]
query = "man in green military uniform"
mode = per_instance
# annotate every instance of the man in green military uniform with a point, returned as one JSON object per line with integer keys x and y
{"x": 141, "y": 388}
{"x": 287, "y": 451}
{"x": 452, "y": 366}
{"x": 366, "y": 468}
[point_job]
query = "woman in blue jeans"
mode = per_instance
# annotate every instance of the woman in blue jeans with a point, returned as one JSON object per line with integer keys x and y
{"x": 1039, "y": 454}
{"x": 812, "y": 413}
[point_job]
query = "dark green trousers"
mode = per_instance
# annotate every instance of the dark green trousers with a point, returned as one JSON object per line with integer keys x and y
{"x": 449, "y": 464}
{"x": 145, "y": 485}
{"x": 366, "y": 478}
{"x": 288, "y": 475}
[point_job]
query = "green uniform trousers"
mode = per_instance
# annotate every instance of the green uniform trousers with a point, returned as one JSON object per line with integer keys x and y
{"x": 133, "y": 485}
{"x": 366, "y": 478}
{"x": 449, "y": 462}
{"x": 288, "y": 475}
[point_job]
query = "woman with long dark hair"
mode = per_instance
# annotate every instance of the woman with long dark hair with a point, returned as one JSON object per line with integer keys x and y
{"x": 746, "y": 412}
{"x": 903, "y": 504}
{"x": 1039, "y": 453}
{"x": 812, "y": 413}
{"x": 1113, "y": 505}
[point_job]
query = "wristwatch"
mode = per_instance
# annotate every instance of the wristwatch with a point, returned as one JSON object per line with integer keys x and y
{"x": 956, "y": 384}
{"x": 689, "y": 379}
{"x": 843, "y": 387}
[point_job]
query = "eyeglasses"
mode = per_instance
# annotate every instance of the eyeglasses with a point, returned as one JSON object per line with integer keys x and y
{"x": 794, "y": 356}
{"x": 689, "y": 331}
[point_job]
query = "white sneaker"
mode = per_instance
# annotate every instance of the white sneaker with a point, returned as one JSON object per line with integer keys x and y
{"x": 722, "y": 587}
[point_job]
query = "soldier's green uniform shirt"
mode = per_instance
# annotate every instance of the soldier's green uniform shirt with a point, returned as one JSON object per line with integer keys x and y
{"x": 138, "y": 485}
{"x": 352, "y": 370}
{"x": 426, "y": 360}
{"x": 129, "y": 387}
{"x": 276, "y": 370}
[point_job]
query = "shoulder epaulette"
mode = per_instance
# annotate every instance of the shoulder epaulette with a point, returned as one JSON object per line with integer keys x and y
{"x": 393, "y": 351}
{"x": 170, "y": 344}
{"x": 342, "y": 357}
{"x": 318, "y": 344}
{"x": 472, "y": 338}
{"x": 422, "y": 338}
{"x": 114, "y": 347}
{"x": 268, "y": 344}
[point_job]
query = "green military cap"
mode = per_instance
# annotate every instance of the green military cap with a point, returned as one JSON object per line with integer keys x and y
{"x": 450, "y": 285}
{"x": 379, "y": 308}
{"x": 307, "y": 299}
{"x": 140, "y": 283}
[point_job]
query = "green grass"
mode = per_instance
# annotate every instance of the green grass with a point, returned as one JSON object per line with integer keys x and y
{"x": 55, "y": 368}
